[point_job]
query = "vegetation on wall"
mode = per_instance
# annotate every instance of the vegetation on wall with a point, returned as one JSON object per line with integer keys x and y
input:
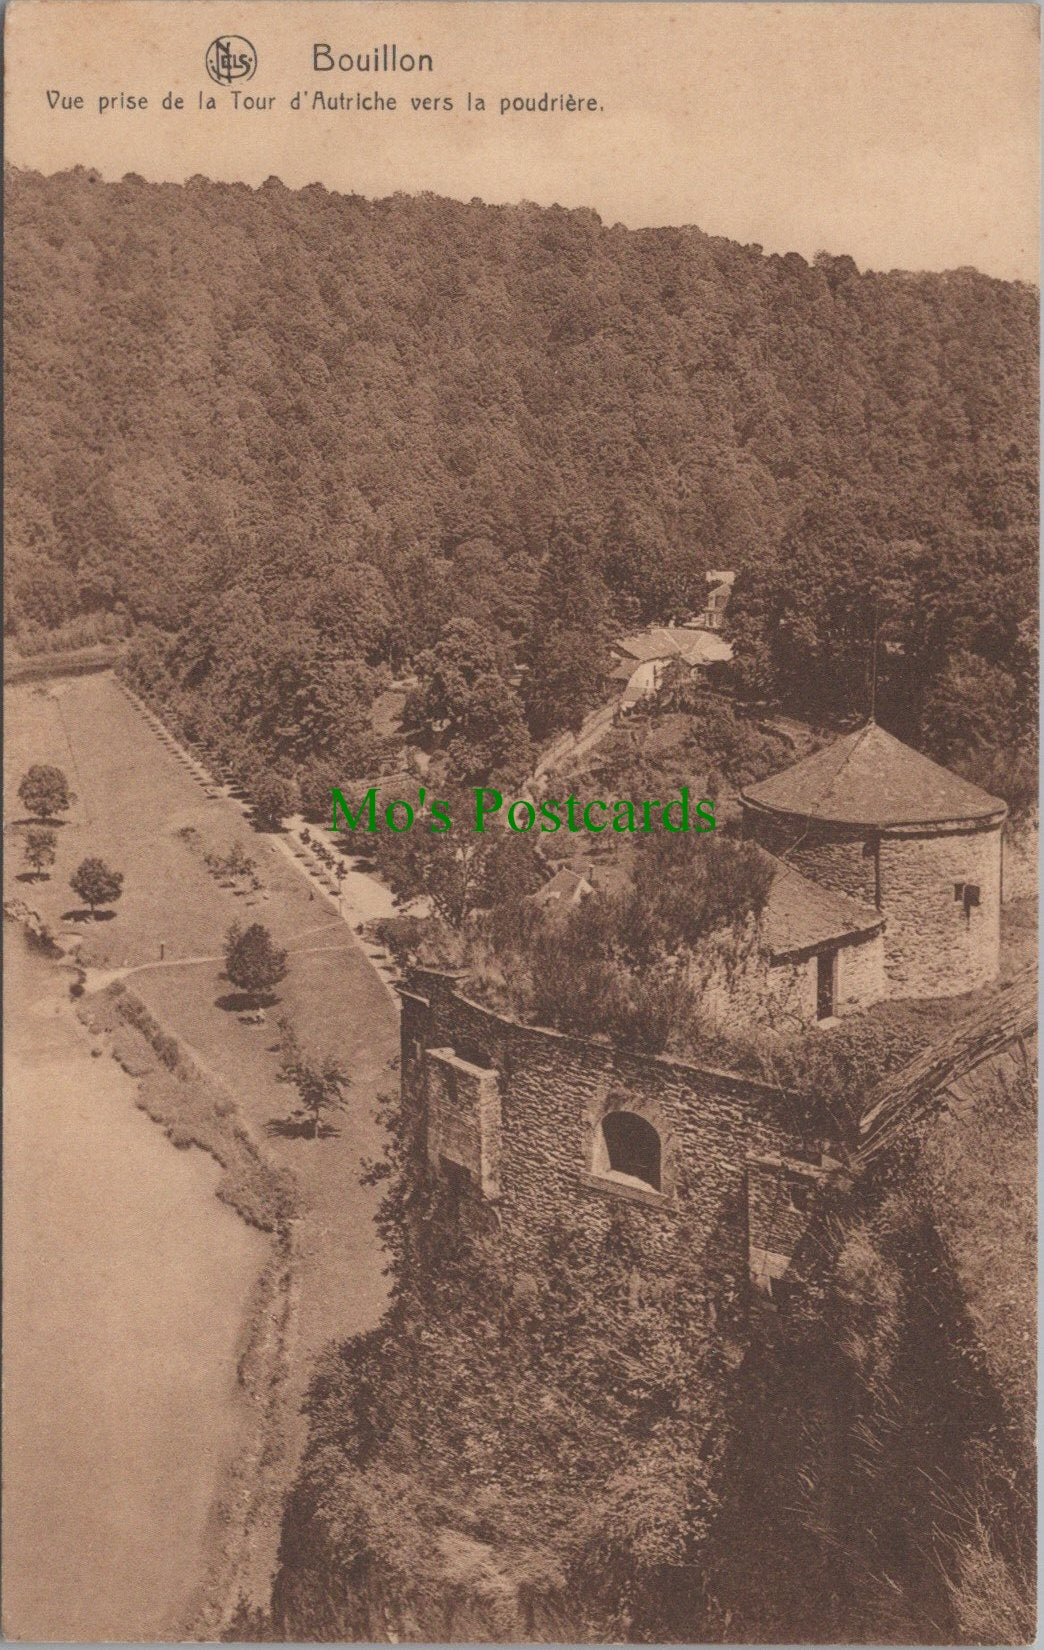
{"x": 616, "y": 962}
{"x": 881, "y": 1482}
{"x": 523, "y": 1450}
{"x": 540, "y": 1409}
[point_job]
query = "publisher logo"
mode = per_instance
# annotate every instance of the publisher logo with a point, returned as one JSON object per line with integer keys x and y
{"x": 230, "y": 58}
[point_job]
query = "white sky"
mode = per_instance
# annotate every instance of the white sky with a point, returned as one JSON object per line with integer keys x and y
{"x": 906, "y": 135}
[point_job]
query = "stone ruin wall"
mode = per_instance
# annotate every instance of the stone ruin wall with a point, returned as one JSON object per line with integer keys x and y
{"x": 518, "y": 1108}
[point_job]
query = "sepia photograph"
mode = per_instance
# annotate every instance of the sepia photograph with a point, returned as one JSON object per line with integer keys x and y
{"x": 520, "y": 822}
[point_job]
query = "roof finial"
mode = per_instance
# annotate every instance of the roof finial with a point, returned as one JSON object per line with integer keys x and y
{"x": 873, "y": 672}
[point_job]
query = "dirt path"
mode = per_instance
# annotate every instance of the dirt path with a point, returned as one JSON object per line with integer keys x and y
{"x": 596, "y": 726}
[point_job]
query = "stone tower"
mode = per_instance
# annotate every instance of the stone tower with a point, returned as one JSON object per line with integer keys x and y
{"x": 872, "y": 818}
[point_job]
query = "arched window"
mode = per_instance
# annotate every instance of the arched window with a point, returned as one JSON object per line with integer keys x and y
{"x": 631, "y": 1147}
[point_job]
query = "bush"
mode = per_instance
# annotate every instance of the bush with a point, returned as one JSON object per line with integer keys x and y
{"x": 166, "y": 1047}
{"x": 723, "y": 739}
{"x": 401, "y": 937}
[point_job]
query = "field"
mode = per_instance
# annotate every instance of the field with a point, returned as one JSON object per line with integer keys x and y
{"x": 142, "y": 810}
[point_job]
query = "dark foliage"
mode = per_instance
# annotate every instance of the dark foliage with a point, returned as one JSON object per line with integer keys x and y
{"x": 40, "y": 849}
{"x": 44, "y": 790}
{"x": 273, "y": 797}
{"x": 540, "y": 1403}
{"x": 253, "y": 962}
{"x": 96, "y": 883}
{"x": 616, "y": 964}
{"x": 592, "y": 417}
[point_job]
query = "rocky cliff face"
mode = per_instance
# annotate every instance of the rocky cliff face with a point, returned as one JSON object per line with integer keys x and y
{"x": 883, "y": 1485}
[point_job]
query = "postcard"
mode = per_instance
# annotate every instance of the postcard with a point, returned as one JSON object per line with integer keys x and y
{"x": 521, "y": 822}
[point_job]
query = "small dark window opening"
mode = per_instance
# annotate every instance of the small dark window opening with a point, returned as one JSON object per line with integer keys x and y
{"x": 633, "y": 1147}
{"x": 781, "y": 1290}
{"x": 968, "y": 893}
{"x": 797, "y": 1195}
{"x": 457, "y": 1181}
{"x": 826, "y": 967}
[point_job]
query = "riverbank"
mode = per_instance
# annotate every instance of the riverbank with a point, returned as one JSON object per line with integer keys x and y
{"x": 126, "y": 1288}
{"x": 194, "y": 1109}
{"x": 142, "y": 807}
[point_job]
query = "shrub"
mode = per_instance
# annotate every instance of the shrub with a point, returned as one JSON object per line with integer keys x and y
{"x": 166, "y": 1047}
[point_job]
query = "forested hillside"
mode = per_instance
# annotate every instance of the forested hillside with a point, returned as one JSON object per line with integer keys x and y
{"x": 284, "y": 435}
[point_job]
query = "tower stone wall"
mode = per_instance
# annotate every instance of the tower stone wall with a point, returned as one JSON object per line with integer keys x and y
{"x": 941, "y": 939}
{"x": 938, "y": 940}
{"x": 840, "y": 858}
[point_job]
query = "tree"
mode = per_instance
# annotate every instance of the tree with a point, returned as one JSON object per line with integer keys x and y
{"x": 566, "y": 650}
{"x": 566, "y": 678}
{"x": 44, "y": 790}
{"x": 447, "y": 675}
{"x": 273, "y": 797}
{"x": 315, "y": 781}
{"x": 253, "y": 962}
{"x": 96, "y": 883}
{"x": 446, "y": 866}
{"x": 41, "y": 847}
{"x": 320, "y": 1084}
{"x": 492, "y": 741}
{"x": 970, "y": 705}
{"x": 511, "y": 870}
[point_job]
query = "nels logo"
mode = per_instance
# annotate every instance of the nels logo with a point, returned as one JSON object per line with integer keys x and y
{"x": 230, "y": 58}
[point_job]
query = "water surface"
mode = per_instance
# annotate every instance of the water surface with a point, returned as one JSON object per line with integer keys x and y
{"x": 125, "y": 1285}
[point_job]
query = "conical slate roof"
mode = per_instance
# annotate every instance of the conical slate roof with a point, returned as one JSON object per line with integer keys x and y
{"x": 871, "y": 778}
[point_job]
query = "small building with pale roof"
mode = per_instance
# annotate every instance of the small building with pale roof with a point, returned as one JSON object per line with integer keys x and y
{"x": 642, "y": 661}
